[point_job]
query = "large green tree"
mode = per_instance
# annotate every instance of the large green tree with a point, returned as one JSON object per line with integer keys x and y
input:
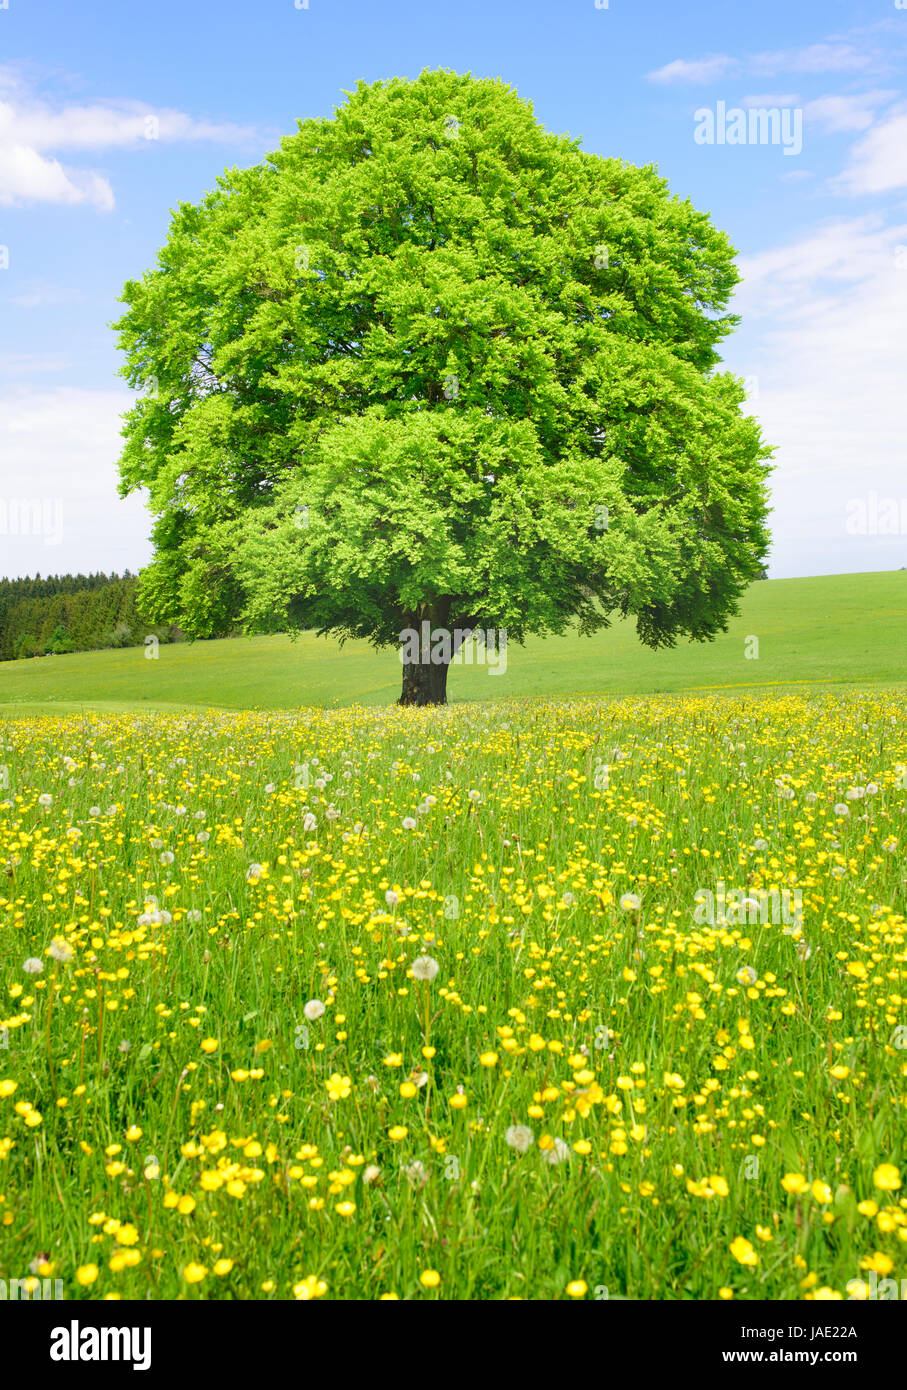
{"x": 429, "y": 363}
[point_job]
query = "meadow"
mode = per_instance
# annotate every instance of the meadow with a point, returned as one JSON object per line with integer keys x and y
{"x": 827, "y": 631}
{"x": 527, "y": 999}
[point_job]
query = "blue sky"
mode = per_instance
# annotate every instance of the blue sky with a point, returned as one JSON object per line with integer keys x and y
{"x": 85, "y": 199}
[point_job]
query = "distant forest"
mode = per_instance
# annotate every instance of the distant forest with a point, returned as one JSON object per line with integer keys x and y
{"x": 73, "y": 613}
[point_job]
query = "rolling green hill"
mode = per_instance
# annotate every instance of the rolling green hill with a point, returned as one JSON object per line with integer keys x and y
{"x": 832, "y": 630}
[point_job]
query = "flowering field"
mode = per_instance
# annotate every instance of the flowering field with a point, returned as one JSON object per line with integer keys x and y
{"x": 536, "y": 1000}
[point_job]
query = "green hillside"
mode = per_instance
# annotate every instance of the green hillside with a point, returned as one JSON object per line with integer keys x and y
{"x": 833, "y": 630}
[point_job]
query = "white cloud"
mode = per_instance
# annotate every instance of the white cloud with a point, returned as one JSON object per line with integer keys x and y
{"x": 698, "y": 70}
{"x": 29, "y": 177}
{"x": 823, "y": 319}
{"x": 58, "y": 478}
{"x": 110, "y": 125}
{"x": 833, "y": 57}
{"x": 771, "y": 99}
{"x": 32, "y": 134}
{"x": 26, "y": 363}
{"x": 878, "y": 162}
{"x": 818, "y": 57}
{"x": 43, "y": 296}
{"x": 837, "y": 113}
{"x": 829, "y": 113}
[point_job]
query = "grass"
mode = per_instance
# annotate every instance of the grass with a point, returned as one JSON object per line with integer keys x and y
{"x": 838, "y": 630}
{"x": 229, "y": 1078}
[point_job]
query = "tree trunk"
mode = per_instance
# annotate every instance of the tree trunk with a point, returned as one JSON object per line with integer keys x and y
{"x": 424, "y": 683}
{"x": 426, "y": 655}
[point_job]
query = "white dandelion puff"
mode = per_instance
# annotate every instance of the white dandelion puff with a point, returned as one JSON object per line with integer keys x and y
{"x": 425, "y": 968}
{"x": 519, "y": 1137}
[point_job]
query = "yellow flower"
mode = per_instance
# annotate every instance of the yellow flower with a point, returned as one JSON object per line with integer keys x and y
{"x": 209, "y": 1045}
{"x": 489, "y": 1059}
{"x": 794, "y": 1182}
{"x": 223, "y": 1266}
{"x": 821, "y": 1191}
{"x": 429, "y": 1278}
{"x": 124, "y": 1259}
{"x": 577, "y": 1288}
{"x": 126, "y": 1235}
{"x": 743, "y": 1251}
{"x": 338, "y": 1087}
{"x": 881, "y": 1263}
{"x": 7, "y": 1088}
{"x": 457, "y": 1101}
{"x": 86, "y": 1274}
{"x": 309, "y": 1288}
{"x": 887, "y": 1177}
{"x": 194, "y": 1273}
{"x": 345, "y": 1208}
{"x": 397, "y": 1132}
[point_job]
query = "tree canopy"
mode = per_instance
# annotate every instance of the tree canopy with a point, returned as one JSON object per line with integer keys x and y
{"x": 429, "y": 361}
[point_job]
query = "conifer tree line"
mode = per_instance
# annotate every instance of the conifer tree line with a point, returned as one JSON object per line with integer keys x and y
{"x": 73, "y": 612}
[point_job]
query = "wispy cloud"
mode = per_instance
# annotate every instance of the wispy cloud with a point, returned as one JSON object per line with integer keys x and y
{"x": 44, "y": 297}
{"x": 695, "y": 70}
{"x": 878, "y": 162}
{"x": 837, "y": 113}
{"x": 817, "y": 58}
{"x": 28, "y": 363}
{"x": 828, "y": 113}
